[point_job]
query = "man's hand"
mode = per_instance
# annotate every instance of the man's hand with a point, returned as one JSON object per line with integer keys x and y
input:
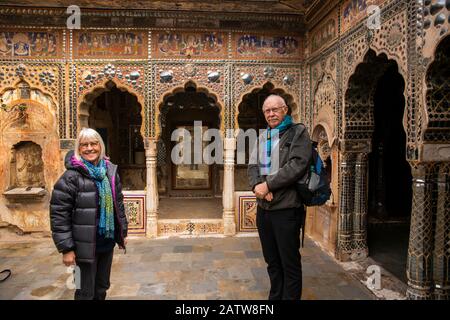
{"x": 261, "y": 190}
{"x": 269, "y": 197}
{"x": 69, "y": 258}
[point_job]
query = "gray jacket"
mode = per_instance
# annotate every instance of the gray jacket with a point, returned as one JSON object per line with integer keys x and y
{"x": 294, "y": 159}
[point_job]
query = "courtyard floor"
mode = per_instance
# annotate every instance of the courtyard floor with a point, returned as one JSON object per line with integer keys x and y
{"x": 175, "y": 268}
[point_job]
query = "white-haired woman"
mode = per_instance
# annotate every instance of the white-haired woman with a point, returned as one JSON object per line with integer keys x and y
{"x": 87, "y": 214}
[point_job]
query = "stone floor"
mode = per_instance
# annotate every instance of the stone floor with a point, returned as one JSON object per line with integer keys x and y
{"x": 388, "y": 246}
{"x": 175, "y": 268}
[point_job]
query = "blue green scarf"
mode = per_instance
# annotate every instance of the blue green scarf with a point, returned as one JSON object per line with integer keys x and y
{"x": 98, "y": 173}
{"x": 272, "y": 135}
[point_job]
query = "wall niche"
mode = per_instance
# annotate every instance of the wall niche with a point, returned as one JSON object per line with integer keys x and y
{"x": 26, "y": 172}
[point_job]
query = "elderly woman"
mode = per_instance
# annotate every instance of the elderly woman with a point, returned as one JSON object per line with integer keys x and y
{"x": 87, "y": 214}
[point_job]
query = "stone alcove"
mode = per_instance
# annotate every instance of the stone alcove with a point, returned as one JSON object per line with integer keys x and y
{"x": 26, "y": 172}
{"x": 30, "y": 160}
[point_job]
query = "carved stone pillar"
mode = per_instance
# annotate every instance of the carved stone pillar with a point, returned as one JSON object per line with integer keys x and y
{"x": 229, "y": 224}
{"x": 420, "y": 251}
{"x": 360, "y": 249}
{"x": 346, "y": 202}
{"x": 441, "y": 268}
{"x": 152, "y": 188}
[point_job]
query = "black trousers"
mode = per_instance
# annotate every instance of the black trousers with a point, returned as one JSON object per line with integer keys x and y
{"x": 95, "y": 277}
{"x": 279, "y": 233}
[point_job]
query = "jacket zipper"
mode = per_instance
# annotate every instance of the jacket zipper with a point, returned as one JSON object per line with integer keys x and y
{"x": 97, "y": 198}
{"x": 117, "y": 215}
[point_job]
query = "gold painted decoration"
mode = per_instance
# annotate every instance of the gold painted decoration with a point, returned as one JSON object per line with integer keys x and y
{"x": 353, "y": 11}
{"x": 30, "y": 44}
{"x": 190, "y": 45}
{"x": 252, "y": 46}
{"x": 324, "y": 33}
{"x": 110, "y": 44}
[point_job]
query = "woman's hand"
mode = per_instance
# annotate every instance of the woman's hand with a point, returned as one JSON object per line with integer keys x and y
{"x": 125, "y": 241}
{"x": 69, "y": 258}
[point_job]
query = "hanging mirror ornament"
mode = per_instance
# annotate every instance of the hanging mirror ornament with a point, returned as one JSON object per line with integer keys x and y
{"x": 269, "y": 72}
{"x": 288, "y": 80}
{"x": 88, "y": 77}
{"x": 247, "y": 78}
{"x": 109, "y": 70}
{"x": 213, "y": 76}
{"x": 166, "y": 76}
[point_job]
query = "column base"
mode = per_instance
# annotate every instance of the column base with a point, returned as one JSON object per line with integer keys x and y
{"x": 418, "y": 294}
{"x": 442, "y": 294}
{"x": 359, "y": 254}
{"x": 229, "y": 225}
{"x": 152, "y": 228}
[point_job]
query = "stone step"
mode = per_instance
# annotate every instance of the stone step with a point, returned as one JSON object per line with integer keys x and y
{"x": 194, "y": 227}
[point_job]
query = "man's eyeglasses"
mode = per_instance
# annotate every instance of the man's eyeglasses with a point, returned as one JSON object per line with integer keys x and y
{"x": 87, "y": 144}
{"x": 274, "y": 110}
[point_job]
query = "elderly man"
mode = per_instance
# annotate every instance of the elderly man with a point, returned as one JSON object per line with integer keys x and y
{"x": 280, "y": 210}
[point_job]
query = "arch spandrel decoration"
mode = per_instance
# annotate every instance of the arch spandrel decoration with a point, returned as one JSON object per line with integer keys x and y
{"x": 352, "y": 61}
{"x": 436, "y": 26}
{"x": 45, "y": 77}
{"x": 45, "y": 81}
{"x": 181, "y": 88}
{"x": 324, "y": 104}
{"x": 358, "y": 117}
{"x": 94, "y": 78}
{"x": 247, "y": 78}
{"x": 326, "y": 65}
{"x": 390, "y": 39}
{"x": 168, "y": 77}
{"x": 88, "y": 97}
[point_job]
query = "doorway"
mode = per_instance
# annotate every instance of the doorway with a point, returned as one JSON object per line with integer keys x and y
{"x": 189, "y": 190}
{"x": 116, "y": 115}
{"x": 390, "y": 179}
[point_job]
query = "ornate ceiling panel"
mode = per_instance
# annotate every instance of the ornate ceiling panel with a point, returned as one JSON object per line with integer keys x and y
{"x": 229, "y": 6}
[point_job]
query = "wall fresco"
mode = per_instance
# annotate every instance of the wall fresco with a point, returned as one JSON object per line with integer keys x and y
{"x": 190, "y": 45}
{"x": 25, "y": 44}
{"x": 353, "y": 11}
{"x": 266, "y": 47}
{"x": 110, "y": 44}
{"x": 324, "y": 33}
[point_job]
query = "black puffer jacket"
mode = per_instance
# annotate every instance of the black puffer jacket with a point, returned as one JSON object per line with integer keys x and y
{"x": 74, "y": 210}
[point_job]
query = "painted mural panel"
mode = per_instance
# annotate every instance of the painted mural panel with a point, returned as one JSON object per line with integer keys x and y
{"x": 30, "y": 44}
{"x": 324, "y": 33}
{"x": 353, "y": 11}
{"x": 110, "y": 44}
{"x": 208, "y": 45}
{"x": 253, "y": 46}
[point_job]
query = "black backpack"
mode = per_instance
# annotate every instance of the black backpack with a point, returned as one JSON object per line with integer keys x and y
{"x": 314, "y": 187}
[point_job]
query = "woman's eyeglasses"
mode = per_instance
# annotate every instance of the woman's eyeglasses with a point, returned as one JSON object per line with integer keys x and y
{"x": 87, "y": 144}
